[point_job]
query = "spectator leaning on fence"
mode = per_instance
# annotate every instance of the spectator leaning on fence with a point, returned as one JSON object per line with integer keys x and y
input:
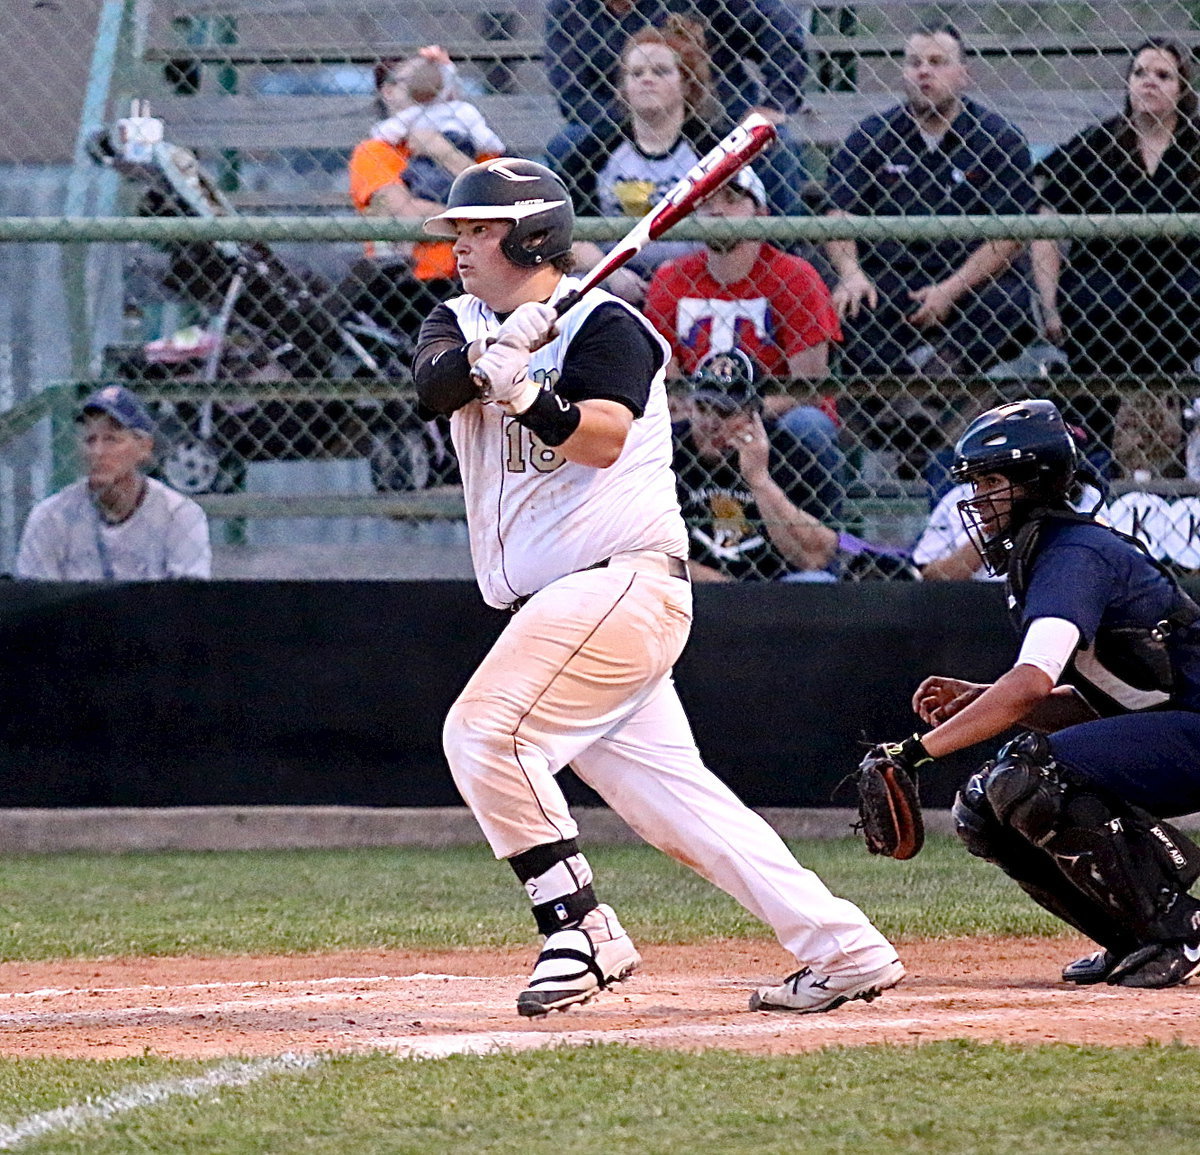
{"x": 115, "y": 524}
{"x": 939, "y": 306}
{"x": 758, "y": 63}
{"x": 747, "y": 502}
{"x": 1128, "y": 305}
{"x": 404, "y": 169}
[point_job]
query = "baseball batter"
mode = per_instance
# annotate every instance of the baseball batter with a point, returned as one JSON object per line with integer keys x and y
{"x": 573, "y": 520}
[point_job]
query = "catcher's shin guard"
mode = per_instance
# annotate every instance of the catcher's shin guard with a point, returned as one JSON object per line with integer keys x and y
{"x": 1133, "y": 868}
{"x": 1033, "y": 870}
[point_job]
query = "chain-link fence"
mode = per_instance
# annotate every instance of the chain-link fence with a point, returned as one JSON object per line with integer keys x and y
{"x": 967, "y": 202}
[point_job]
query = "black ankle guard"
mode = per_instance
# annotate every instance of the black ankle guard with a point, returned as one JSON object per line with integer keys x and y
{"x": 565, "y": 911}
{"x": 551, "y": 418}
{"x": 530, "y": 863}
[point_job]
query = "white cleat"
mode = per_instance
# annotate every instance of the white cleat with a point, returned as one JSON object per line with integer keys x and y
{"x": 808, "y": 992}
{"x": 576, "y": 963}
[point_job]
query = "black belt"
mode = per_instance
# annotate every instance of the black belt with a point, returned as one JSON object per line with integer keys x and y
{"x": 676, "y": 568}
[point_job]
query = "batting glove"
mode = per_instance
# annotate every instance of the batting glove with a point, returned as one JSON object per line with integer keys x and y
{"x": 506, "y": 371}
{"x": 528, "y": 327}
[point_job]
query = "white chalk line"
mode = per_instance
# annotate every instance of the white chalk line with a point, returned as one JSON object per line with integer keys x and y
{"x": 777, "y": 1026}
{"x": 115, "y": 1015}
{"x": 763, "y": 1026}
{"x": 130, "y": 1098}
{"x": 51, "y": 992}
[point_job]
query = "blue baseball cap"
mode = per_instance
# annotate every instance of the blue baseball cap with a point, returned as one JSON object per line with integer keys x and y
{"x": 124, "y": 407}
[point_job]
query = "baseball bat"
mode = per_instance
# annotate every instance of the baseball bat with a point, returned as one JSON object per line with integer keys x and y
{"x": 734, "y": 150}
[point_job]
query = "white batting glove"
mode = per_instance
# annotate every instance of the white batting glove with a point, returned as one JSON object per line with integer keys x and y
{"x": 506, "y": 371}
{"x": 528, "y": 327}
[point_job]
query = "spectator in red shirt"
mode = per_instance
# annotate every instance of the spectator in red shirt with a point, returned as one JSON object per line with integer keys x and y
{"x": 773, "y": 306}
{"x": 745, "y": 293}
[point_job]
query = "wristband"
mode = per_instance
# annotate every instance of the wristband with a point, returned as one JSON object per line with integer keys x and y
{"x": 551, "y": 418}
{"x": 913, "y": 751}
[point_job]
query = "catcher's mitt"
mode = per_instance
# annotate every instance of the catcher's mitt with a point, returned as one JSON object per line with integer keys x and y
{"x": 889, "y": 808}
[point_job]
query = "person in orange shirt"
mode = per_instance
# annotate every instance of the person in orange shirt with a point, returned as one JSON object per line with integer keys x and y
{"x": 404, "y": 169}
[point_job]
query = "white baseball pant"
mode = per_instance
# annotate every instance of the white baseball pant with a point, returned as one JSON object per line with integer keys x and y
{"x": 582, "y": 675}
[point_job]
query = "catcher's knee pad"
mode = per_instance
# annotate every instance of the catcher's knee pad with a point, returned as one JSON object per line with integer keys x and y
{"x": 974, "y": 822}
{"x": 1024, "y": 788}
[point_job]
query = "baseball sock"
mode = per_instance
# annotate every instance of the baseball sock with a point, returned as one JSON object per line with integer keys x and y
{"x": 558, "y": 880}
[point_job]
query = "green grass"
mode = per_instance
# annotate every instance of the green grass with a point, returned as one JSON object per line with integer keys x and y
{"x": 954, "y": 1097}
{"x": 90, "y": 906}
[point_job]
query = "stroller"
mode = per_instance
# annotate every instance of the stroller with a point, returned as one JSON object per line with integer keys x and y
{"x": 265, "y": 322}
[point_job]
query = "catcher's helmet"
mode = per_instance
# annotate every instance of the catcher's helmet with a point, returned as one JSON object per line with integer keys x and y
{"x": 511, "y": 189}
{"x": 1028, "y": 444}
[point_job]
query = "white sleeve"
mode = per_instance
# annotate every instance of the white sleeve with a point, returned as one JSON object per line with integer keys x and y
{"x": 189, "y": 552}
{"x": 1048, "y": 645}
{"x": 485, "y": 140}
{"x": 943, "y": 533}
{"x": 39, "y": 554}
{"x": 396, "y": 128}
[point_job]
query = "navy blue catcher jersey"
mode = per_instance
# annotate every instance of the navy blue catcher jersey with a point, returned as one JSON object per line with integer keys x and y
{"x": 1110, "y": 590}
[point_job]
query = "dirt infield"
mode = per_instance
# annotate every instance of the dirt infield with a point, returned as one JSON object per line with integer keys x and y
{"x": 429, "y": 1004}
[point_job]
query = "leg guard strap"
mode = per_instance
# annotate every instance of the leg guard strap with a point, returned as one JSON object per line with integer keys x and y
{"x": 1032, "y": 869}
{"x": 565, "y": 911}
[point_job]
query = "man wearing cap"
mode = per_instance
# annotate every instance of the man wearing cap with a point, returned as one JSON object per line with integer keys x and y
{"x": 740, "y": 496}
{"x": 746, "y": 293}
{"x": 116, "y": 524}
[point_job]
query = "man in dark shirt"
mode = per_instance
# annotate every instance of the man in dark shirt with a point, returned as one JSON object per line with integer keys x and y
{"x": 751, "y": 506}
{"x": 936, "y": 306}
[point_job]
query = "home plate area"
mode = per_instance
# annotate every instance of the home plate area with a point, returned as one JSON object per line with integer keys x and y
{"x": 431, "y": 1004}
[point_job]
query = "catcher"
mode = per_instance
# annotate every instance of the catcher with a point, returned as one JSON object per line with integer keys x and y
{"x": 1107, "y": 683}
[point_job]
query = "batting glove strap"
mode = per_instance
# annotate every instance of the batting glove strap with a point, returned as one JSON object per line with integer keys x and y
{"x": 506, "y": 371}
{"x": 551, "y": 418}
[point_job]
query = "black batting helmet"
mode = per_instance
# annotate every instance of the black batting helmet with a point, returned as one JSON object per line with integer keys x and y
{"x": 511, "y": 189}
{"x": 1028, "y": 444}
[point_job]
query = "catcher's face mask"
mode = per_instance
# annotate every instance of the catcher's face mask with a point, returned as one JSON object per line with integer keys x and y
{"x": 992, "y": 515}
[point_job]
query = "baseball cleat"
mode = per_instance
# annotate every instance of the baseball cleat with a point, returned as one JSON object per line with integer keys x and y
{"x": 1092, "y": 968}
{"x": 1161, "y": 964}
{"x": 576, "y": 963}
{"x": 808, "y": 992}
